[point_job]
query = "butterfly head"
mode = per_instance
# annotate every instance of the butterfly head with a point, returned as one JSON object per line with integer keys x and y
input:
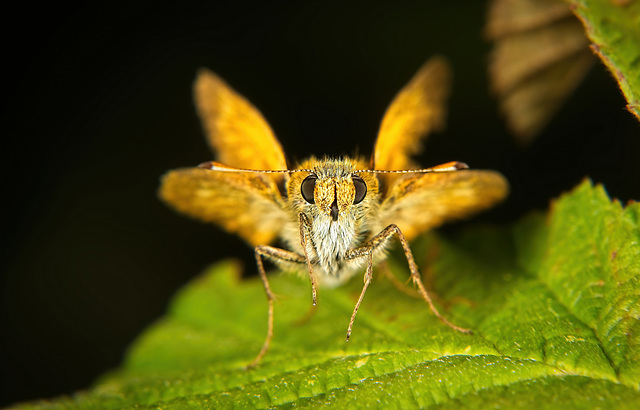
{"x": 332, "y": 190}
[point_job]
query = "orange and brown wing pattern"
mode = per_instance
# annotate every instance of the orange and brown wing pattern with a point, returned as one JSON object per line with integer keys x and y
{"x": 236, "y": 131}
{"x": 249, "y": 205}
{"x": 418, "y": 109}
{"x": 419, "y": 202}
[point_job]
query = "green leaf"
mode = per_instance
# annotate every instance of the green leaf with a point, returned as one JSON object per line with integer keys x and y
{"x": 614, "y": 29}
{"x": 553, "y": 302}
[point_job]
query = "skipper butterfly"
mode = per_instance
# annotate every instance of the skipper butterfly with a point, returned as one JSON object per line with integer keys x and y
{"x": 335, "y": 215}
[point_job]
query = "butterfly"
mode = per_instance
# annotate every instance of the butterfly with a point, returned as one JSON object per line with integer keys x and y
{"x": 336, "y": 216}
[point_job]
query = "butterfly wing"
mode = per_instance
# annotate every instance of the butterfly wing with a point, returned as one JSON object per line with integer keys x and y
{"x": 249, "y": 205}
{"x": 236, "y": 131}
{"x": 419, "y": 202}
{"x": 418, "y": 109}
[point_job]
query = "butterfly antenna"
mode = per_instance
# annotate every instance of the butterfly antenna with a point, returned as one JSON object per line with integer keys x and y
{"x": 448, "y": 167}
{"x": 216, "y": 166}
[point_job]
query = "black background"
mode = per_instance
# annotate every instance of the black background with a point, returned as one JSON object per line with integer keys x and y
{"x": 98, "y": 105}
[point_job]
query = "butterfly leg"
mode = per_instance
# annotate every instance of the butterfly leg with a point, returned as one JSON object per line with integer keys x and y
{"x": 378, "y": 242}
{"x": 279, "y": 256}
{"x": 305, "y": 227}
{"x": 385, "y": 270}
{"x": 415, "y": 275}
{"x": 367, "y": 280}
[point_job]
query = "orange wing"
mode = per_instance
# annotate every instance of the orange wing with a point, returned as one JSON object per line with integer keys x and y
{"x": 419, "y": 202}
{"x": 236, "y": 131}
{"x": 418, "y": 109}
{"x": 247, "y": 204}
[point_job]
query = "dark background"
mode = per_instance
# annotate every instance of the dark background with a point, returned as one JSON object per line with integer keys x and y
{"x": 98, "y": 105}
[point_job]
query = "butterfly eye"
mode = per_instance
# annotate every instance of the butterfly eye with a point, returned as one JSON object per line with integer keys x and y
{"x": 361, "y": 189}
{"x": 307, "y": 188}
